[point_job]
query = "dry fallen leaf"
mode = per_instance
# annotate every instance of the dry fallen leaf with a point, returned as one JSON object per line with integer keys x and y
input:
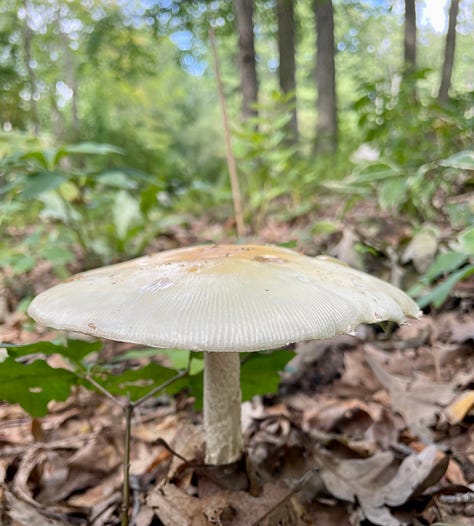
{"x": 276, "y": 505}
{"x": 419, "y": 400}
{"x": 460, "y": 407}
{"x": 422, "y": 248}
{"x": 23, "y": 513}
{"x": 366, "y": 481}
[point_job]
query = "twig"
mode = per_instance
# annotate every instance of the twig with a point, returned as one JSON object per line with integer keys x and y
{"x": 71, "y": 223}
{"x": 162, "y": 442}
{"x": 297, "y": 486}
{"x": 104, "y": 391}
{"x": 128, "y": 407}
{"x": 126, "y": 465}
{"x": 161, "y": 387}
{"x": 231, "y": 164}
{"x": 65, "y": 443}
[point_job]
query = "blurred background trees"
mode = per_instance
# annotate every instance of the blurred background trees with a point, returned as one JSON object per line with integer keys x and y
{"x": 365, "y": 99}
{"x": 137, "y": 75}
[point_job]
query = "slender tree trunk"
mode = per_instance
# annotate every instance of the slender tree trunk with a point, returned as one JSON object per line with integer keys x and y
{"x": 327, "y": 128}
{"x": 287, "y": 67}
{"x": 409, "y": 48}
{"x": 71, "y": 80}
{"x": 56, "y": 116}
{"x": 70, "y": 74}
{"x": 449, "y": 50}
{"x": 248, "y": 69}
{"x": 27, "y": 35}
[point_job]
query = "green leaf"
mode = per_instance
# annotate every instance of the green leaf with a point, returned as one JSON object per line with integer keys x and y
{"x": 136, "y": 383}
{"x": 324, "y": 227}
{"x": 259, "y": 375}
{"x": 75, "y": 350}
{"x": 91, "y": 148}
{"x": 289, "y": 244}
{"x": 179, "y": 358}
{"x": 22, "y": 263}
{"x": 196, "y": 387}
{"x": 466, "y": 241}
{"x": 440, "y": 293}
{"x": 34, "y": 385}
{"x": 391, "y": 193}
{"x": 57, "y": 255}
{"x": 375, "y": 172}
{"x": 117, "y": 179}
{"x": 84, "y": 148}
{"x": 126, "y": 213}
{"x": 45, "y": 158}
{"x": 445, "y": 263}
{"x": 41, "y": 182}
{"x": 462, "y": 160}
{"x": 260, "y": 372}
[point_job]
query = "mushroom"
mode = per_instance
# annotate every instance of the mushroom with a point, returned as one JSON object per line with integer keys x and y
{"x": 221, "y": 299}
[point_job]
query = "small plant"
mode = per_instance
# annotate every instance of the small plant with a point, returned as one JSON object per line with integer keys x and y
{"x": 26, "y": 378}
{"x": 269, "y": 166}
{"x": 107, "y": 212}
{"x": 410, "y": 190}
{"x": 391, "y": 120}
{"x": 448, "y": 268}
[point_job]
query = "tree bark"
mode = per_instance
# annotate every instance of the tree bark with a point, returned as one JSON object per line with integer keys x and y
{"x": 287, "y": 67}
{"x": 27, "y": 35}
{"x": 248, "y": 69}
{"x": 410, "y": 35}
{"x": 449, "y": 50}
{"x": 71, "y": 80}
{"x": 409, "y": 49}
{"x": 326, "y": 128}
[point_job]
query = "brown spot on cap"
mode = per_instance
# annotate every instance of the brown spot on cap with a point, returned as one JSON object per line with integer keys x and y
{"x": 270, "y": 259}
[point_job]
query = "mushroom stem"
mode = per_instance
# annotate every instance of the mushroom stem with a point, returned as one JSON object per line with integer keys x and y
{"x": 222, "y": 400}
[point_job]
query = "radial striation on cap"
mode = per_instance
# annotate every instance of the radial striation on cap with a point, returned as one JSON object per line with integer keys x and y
{"x": 221, "y": 298}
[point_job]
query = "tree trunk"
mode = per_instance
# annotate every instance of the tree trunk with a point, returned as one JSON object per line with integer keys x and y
{"x": 287, "y": 67}
{"x": 70, "y": 74}
{"x": 71, "y": 80}
{"x": 449, "y": 49}
{"x": 326, "y": 129}
{"x": 409, "y": 48}
{"x": 248, "y": 69}
{"x": 27, "y": 33}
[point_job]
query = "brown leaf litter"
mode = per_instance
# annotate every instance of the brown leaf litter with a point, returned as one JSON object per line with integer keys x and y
{"x": 373, "y": 431}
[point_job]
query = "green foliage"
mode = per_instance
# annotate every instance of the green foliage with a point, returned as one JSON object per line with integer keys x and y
{"x": 260, "y": 372}
{"x": 269, "y": 166}
{"x": 394, "y": 122}
{"x": 33, "y": 385}
{"x": 407, "y": 179}
{"x": 72, "y": 187}
{"x": 409, "y": 189}
{"x": 27, "y": 379}
{"x": 136, "y": 383}
{"x": 446, "y": 271}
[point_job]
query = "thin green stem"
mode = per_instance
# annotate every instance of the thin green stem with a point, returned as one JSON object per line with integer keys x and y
{"x": 161, "y": 387}
{"x": 124, "y": 519}
{"x": 128, "y": 407}
{"x": 71, "y": 223}
{"x": 104, "y": 391}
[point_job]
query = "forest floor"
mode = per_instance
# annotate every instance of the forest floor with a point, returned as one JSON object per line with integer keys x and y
{"x": 376, "y": 428}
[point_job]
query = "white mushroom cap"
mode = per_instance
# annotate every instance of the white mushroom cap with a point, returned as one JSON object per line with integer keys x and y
{"x": 221, "y": 298}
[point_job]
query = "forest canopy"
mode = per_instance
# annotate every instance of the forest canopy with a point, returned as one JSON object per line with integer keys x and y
{"x": 114, "y": 106}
